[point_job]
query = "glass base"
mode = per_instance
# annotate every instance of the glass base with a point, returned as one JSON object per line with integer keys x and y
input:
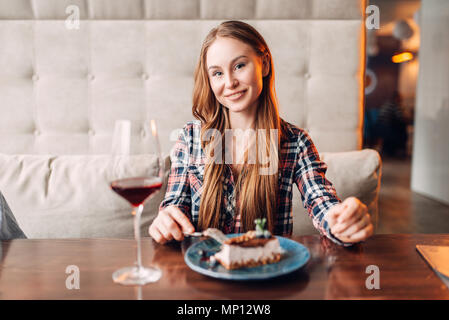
{"x": 136, "y": 276}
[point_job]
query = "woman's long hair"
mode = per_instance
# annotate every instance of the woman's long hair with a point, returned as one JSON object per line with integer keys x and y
{"x": 257, "y": 193}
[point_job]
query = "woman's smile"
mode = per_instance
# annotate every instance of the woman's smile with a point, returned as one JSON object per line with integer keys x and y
{"x": 237, "y": 95}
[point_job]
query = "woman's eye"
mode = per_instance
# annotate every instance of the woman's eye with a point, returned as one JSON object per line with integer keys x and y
{"x": 216, "y": 74}
{"x": 239, "y": 66}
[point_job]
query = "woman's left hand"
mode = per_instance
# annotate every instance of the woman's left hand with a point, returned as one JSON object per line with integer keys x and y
{"x": 350, "y": 221}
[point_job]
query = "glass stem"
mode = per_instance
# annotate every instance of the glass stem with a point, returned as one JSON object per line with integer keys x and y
{"x": 137, "y": 213}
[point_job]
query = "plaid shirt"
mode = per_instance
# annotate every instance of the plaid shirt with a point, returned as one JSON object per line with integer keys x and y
{"x": 299, "y": 164}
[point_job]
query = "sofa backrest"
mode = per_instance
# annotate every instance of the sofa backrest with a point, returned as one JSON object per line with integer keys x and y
{"x": 62, "y": 88}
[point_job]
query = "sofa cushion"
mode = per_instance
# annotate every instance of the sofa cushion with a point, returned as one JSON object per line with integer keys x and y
{"x": 354, "y": 173}
{"x": 70, "y": 197}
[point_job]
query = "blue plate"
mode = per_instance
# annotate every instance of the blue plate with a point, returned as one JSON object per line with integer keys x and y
{"x": 295, "y": 256}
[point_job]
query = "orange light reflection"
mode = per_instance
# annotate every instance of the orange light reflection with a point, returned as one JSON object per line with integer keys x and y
{"x": 402, "y": 57}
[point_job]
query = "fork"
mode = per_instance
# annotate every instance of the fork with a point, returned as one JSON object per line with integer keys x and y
{"x": 211, "y": 232}
{"x": 194, "y": 234}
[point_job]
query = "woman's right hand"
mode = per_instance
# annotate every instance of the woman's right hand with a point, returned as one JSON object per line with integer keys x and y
{"x": 170, "y": 224}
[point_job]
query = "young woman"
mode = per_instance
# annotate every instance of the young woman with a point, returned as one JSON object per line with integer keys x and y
{"x": 234, "y": 90}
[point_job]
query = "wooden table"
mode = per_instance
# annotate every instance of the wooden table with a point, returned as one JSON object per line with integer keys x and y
{"x": 36, "y": 269}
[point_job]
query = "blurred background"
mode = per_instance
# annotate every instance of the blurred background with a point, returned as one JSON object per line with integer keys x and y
{"x": 407, "y": 113}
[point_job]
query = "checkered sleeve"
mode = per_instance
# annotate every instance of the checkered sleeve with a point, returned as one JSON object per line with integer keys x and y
{"x": 178, "y": 186}
{"x": 317, "y": 193}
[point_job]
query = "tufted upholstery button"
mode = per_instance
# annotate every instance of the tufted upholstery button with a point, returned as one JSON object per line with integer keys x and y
{"x": 35, "y": 77}
{"x": 36, "y": 132}
{"x": 91, "y": 77}
{"x": 145, "y": 76}
{"x": 307, "y": 75}
{"x": 91, "y": 132}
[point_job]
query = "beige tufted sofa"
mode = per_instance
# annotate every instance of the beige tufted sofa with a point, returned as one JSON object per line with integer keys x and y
{"x": 62, "y": 88}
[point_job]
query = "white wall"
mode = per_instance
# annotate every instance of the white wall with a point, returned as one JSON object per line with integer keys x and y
{"x": 430, "y": 165}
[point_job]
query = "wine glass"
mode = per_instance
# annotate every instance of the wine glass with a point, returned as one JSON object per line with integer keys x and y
{"x": 136, "y": 190}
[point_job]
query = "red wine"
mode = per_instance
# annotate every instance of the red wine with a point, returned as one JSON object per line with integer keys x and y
{"x": 136, "y": 190}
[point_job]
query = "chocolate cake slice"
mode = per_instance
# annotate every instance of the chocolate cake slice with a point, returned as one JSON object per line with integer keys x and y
{"x": 249, "y": 250}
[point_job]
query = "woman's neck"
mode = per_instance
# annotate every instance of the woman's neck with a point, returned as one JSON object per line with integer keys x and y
{"x": 243, "y": 120}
